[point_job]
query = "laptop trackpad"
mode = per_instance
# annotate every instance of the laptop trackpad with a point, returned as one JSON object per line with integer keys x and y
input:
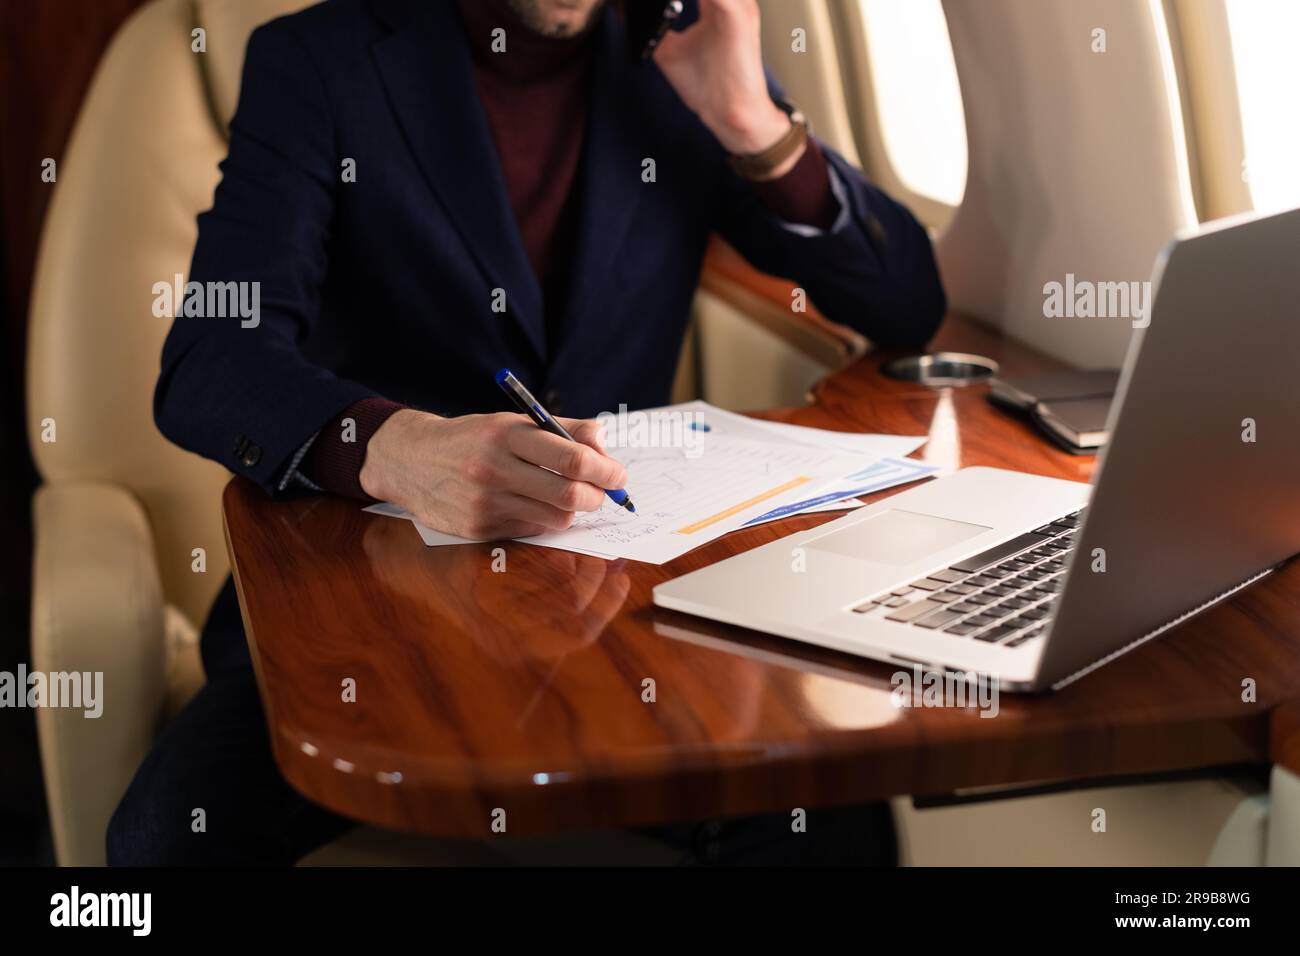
{"x": 896, "y": 537}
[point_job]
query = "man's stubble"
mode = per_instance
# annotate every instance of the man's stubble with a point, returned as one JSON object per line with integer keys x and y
{"x": 546, "y": 17}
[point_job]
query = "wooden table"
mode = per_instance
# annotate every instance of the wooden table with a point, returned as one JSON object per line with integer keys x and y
{"x": 523, "y": 691}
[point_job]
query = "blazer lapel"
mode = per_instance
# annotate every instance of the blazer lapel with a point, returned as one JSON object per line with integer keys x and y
{"x": 428, "y": 71}
{"x": 611, "y": 169}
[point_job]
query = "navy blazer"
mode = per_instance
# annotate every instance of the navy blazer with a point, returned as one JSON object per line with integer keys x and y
{"x": 385, "y": 286}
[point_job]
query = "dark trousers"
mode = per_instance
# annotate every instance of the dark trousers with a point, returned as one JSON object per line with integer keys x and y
{"x": 216, "y": 757}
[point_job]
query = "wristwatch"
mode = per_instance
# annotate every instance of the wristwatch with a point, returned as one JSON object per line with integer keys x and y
{"x": 759, "y": 166}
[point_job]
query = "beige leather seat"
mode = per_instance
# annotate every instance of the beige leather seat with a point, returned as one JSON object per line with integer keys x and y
{"x": 129, "y": 549}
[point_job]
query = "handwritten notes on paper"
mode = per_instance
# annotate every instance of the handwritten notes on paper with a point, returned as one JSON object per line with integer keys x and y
{"x": 731, "y": 472}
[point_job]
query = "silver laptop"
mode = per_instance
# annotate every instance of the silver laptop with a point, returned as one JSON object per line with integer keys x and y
{"x": 1036, "y": 581}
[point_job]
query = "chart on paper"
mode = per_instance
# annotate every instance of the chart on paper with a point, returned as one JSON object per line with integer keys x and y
{"x": 702, "y": 472}
{"x": 685, "y": 498}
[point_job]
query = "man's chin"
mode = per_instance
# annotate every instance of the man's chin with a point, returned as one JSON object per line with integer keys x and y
{"x": 556, "y": 21}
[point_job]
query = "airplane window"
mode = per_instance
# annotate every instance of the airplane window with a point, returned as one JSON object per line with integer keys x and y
{"x": 1263, "y": 34}
{"x": 917, "y": 95}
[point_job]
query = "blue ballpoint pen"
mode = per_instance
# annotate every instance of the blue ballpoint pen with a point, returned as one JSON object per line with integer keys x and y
{"x": 543, "y": 419}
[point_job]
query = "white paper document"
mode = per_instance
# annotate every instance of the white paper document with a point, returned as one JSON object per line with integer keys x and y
{"x": 834, "y": 495}
{"x": 430, "y": 537}
{"x": 706, "y": 472}
{"x": 687, "y": 497}
{"x": 730, "y": 423}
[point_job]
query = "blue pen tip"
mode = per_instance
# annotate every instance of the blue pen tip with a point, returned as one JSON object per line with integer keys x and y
{"x": 631, "y": 507}
{"x": 503, "y": 375}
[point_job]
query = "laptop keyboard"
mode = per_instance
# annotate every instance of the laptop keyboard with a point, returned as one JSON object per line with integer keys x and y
{"x": 1001, "y": 596}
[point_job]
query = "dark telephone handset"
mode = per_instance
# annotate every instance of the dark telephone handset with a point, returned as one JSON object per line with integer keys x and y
{"x": 647, "y": 22}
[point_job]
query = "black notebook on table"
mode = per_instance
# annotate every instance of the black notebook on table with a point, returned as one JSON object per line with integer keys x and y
{"x": 1071, "y": 408}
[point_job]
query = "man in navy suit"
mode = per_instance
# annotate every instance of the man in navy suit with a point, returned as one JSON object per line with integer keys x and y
{"x": 422, "y": 192}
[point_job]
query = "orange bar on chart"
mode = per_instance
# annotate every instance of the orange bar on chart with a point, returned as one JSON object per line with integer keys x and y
{"x": 736, "y": 509}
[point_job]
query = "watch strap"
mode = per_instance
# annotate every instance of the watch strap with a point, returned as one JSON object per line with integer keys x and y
{"x": 759, "y": 166}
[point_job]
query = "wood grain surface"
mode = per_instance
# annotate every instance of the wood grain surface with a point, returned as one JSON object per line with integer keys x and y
{"x": 522, "y": 691}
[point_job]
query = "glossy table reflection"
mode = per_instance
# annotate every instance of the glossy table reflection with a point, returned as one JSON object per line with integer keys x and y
{"x": 523, "y": 690}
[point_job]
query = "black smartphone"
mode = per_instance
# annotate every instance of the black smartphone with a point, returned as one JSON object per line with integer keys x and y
{"x": 647, "y": 22}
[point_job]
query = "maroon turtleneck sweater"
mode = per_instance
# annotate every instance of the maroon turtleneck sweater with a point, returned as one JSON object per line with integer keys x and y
{"x": 535, "y": 97}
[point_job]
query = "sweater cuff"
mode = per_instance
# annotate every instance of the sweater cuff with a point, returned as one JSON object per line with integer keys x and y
{"x": 335, "y": 464}
{"x": 803, "y": 196}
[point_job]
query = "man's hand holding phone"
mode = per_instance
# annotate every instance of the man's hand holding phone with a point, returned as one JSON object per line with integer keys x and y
{"x": 716, "y": 67}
